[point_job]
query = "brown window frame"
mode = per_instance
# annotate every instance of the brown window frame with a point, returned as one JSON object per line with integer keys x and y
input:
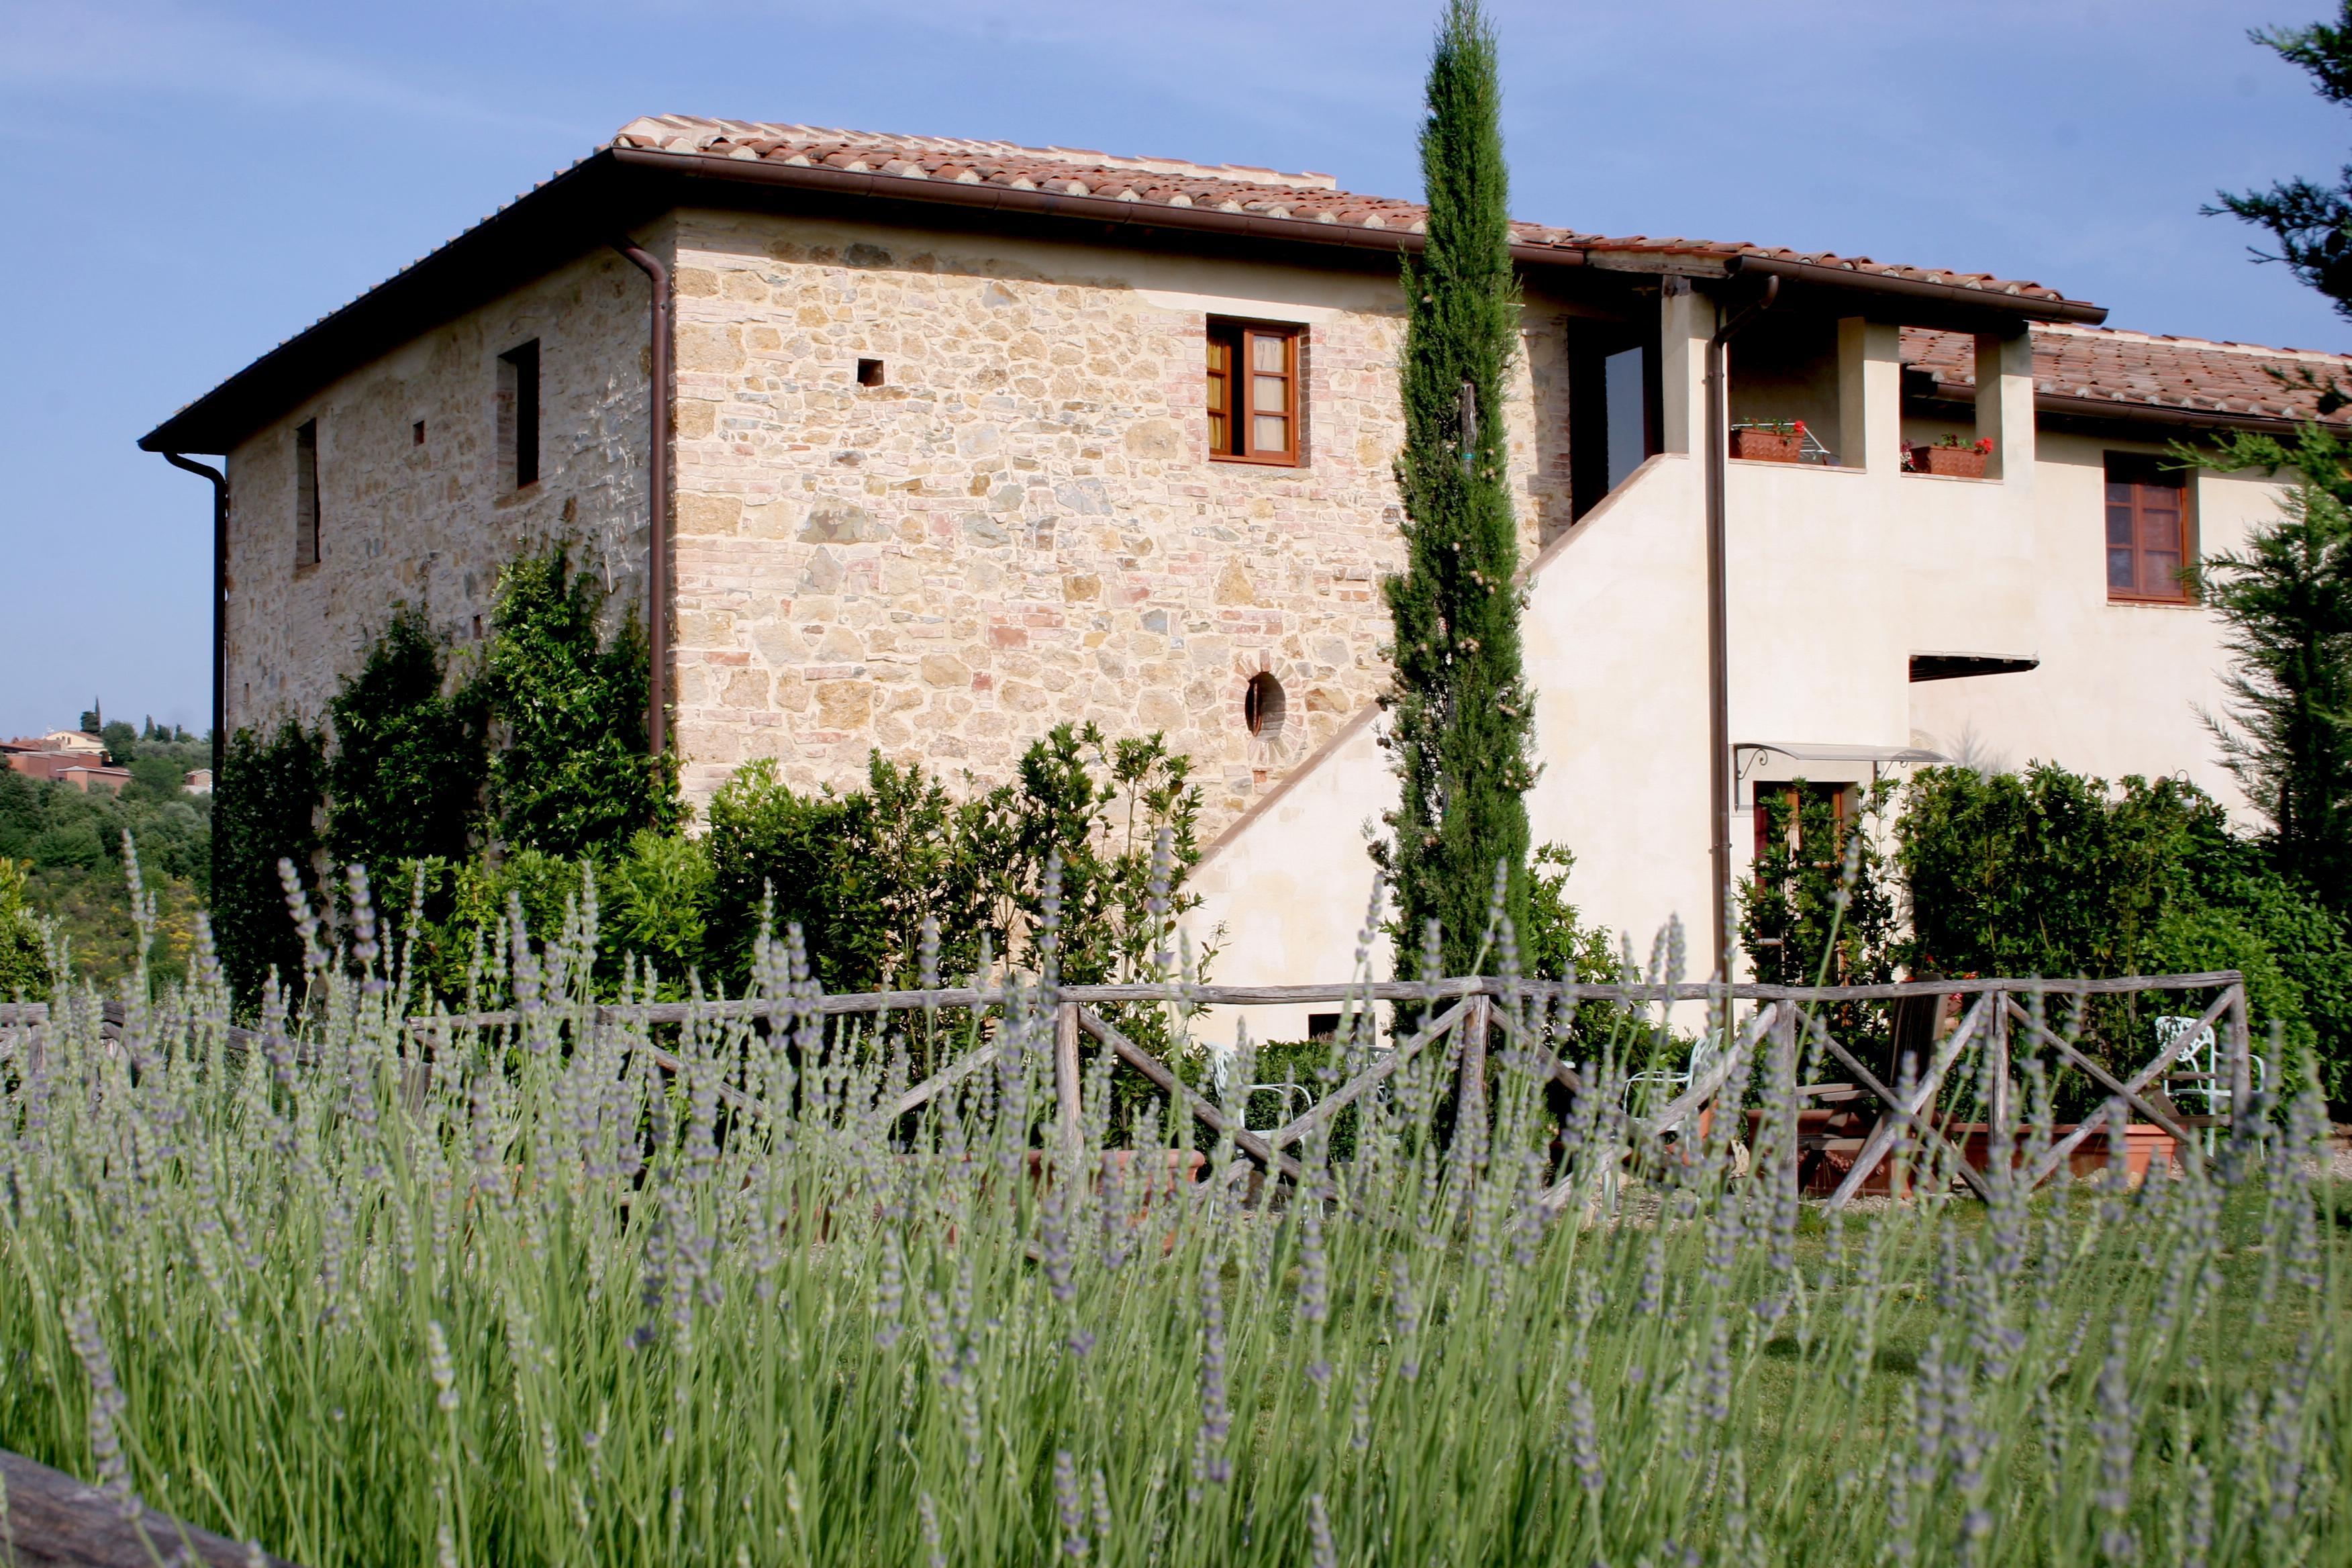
{"x": 306, "y": 494}
{"x": 2140, "y": 474}
{"x": 1240, "y": 380}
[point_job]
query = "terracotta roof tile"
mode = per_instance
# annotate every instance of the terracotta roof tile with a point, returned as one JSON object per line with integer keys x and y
{"x": 2140, "y": 368}
{"x": 1172, "y": 182}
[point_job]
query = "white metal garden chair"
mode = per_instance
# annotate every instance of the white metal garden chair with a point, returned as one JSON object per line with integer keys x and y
{"x": 2205, "y": 1071}
{"x": 1660, "y": 1085}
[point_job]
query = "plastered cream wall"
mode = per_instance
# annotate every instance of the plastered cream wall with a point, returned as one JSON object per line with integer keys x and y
{"x": 1836, "y": 577}
{"x": 1020, "y": 525}
{"x": 430, "y": 524}
{"x": 2120, "y": 687}
{"x": 1616, "y": 651}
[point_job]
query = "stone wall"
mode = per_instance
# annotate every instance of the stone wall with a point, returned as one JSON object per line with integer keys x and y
{"x": 1020, "y": 526}
{"x": 430, "y": 523}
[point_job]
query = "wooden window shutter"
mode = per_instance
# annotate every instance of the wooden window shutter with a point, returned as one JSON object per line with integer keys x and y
{"x": 1222, "y": 351}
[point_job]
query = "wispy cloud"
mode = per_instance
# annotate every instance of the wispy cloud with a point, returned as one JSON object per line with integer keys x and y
{"x": 48, "y": 50}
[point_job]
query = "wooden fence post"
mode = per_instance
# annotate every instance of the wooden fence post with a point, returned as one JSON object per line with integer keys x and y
{"x": 2241, "y": 1057}
{"x": 1067, "y": 1083}
{"x": 1785, "y": 1064}
{"x": 1470, "y": 1109}
{"x": 1997, "y": 1065}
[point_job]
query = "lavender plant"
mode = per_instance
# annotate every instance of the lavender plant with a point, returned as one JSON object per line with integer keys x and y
{"x": 370, "y": 1292}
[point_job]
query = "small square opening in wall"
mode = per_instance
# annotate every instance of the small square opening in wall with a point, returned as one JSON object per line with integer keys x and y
{"x": 417, "y": 433}
{"x": 869, "y": 372}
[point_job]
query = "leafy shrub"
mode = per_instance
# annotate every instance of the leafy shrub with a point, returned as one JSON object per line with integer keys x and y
{"x": 655, "y": 902}
{"x": 1558, "y": 944}
{"x": 570, "y": 775}
{"x": 409, "y": 758}
{"x": 266, "y": 806}
{"x": 2052, "y": 873}
{"x": 24, "y": 958}
{"x": 859, "y": 871}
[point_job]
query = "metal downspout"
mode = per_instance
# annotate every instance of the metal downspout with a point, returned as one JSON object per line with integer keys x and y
{"x": 220, "y": 600}
{"x": 1718, "y": 625}
{"x": 657, "y": 507}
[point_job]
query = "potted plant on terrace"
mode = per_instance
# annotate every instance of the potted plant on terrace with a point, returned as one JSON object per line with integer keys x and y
{"x": 1769, "y": 441}
{"x": 1950, "y": 457}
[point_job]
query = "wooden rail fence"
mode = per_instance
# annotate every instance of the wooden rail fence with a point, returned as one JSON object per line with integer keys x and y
{"x": 1786, "y": 1019}
{"x": 1459, "y": 1015}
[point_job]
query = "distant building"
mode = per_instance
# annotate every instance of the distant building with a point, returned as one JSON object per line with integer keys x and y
{"x": 64, "y": 756}
{"x": 34, "y": 760}
{"x": 86, "y": 778}
{"x": 198, "y": 781}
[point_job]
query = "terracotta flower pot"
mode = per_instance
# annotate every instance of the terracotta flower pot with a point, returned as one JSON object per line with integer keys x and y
{"x": 2146, "y": 1148}
{"x": 1952, "y": 462}
{"x": 1767, "y": 446}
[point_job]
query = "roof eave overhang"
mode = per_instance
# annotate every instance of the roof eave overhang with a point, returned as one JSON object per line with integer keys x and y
{"x": 618, "y": 189}
{"x": 2106, "y": 413}
{"x": 2111, "y": 416}
{"x": 1958, "y": 303}
{"x": 589, "y": 204}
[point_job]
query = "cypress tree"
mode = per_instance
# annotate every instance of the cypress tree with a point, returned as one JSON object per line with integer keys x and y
{"x": 1460, "y": 716}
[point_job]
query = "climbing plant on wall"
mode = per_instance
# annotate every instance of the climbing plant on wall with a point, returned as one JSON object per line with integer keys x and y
{"x": 409, "y": 757}
{"x": 265, "y": 808}
{"x": 570, "y": 774}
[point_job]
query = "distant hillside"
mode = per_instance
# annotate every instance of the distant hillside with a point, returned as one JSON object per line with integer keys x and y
{"x": 74, "y": 844}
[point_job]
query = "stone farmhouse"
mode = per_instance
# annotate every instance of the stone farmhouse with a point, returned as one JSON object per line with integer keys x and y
{"x": 927, "y": 445}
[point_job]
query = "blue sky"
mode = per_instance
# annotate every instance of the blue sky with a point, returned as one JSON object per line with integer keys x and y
{"x": 188, "y": 183}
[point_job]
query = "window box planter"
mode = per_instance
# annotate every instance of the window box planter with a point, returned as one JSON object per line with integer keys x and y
{"x": 1951, "y": 462}
{"x": 1765, "y": 446}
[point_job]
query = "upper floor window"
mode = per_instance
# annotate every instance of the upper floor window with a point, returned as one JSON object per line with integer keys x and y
{"x": 1253, "y": 392}
{"x": 2147, "y": 530}
{"x": 305, "y": 494}
{"x": 518, "y": 415}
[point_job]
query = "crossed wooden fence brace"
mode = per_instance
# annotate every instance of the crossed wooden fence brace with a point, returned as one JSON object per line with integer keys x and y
{"x": 1471, "y": 1012}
